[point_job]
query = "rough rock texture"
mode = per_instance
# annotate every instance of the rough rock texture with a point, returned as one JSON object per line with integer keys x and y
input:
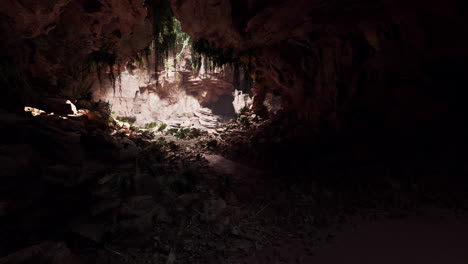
{"x": 180, "y": 98}
{"x": 346, "y": 64}
{"x": 50, "y": 40}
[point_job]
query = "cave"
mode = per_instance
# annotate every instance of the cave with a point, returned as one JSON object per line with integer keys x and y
{"x": 233, "y": 131}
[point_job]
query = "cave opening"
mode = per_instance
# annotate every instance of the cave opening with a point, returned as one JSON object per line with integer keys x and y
{"x": 174, "y": 83}
{"x": 233, "y": 131}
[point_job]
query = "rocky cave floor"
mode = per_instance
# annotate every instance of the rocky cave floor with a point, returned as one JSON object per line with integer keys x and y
{"x": 75, "y": 190}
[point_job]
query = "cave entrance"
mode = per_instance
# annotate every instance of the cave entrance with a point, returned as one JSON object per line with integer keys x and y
{"x": 183, "y": 87}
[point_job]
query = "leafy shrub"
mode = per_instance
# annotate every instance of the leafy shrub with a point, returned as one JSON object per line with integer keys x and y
{"x": 244, "y": 110}
{"x": 244, "y": 121}
{"x": 162, "y": 127}
{"x": 151, "y": 125}
{"x": 172, "y": 131}
{"x": 182, "y": 133}
{"x": 125, "y": 120}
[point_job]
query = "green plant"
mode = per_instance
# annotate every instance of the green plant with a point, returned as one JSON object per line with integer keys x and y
{"x": 148, "y": 134}
{"x": 167, "y": 33}
{"x": 103, "y": 108}
{"x": 151, "y": 125}
{"x": 213, "y": 56}
{"x": 97, "y": 60}
{"x": 194, "y": 133}
{"x": 244, "y": 110}
{"x": 125, "y": 120}
{"x": 172, "y": 131}
{"x": 244, "y": 121}
{"x": 182, "y": 133}
{"x": 162, "y": 127}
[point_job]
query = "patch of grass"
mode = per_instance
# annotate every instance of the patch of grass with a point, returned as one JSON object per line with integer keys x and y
{"x": 172, "y": 131}
{"x": 162, "y": 127}
{"x": 151, "y": 125}
{"x": 122, "y": 119}
{"x": 183, "y": 133}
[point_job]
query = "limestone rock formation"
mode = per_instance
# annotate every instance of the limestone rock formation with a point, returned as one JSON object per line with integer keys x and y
{"x": 51, "y": 40}
{"x": 344, "y": 64}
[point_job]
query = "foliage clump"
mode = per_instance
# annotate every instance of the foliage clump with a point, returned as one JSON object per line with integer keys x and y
{"x": 162, "y": 127}
{"x": 151, "y": 125}
{"x": 154, "y": 125}
{"x": 213, "y": 57}
{"x": 124, "y": 120}
{"x": 168, "y": 37}
{"x": 100, "y": 59}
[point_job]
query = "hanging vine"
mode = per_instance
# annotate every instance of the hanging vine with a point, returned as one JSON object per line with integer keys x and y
{"x": 170, "y": 40}
{"x": 97, "y": 60}
{"x": 214, "y": 57}
{"x": 164, "y": 33}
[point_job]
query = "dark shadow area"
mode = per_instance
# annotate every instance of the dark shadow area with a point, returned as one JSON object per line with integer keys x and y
{"x": 223, "y": 107}
{"x": 363, "y": 161}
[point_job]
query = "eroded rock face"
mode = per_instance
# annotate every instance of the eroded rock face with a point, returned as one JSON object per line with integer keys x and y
{"x": 345, "y": 64}
{"x": 50, "y": 40}
{"x": 182, "y": 97}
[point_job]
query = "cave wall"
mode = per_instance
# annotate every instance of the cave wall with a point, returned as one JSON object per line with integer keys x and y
{"x": 338, "y": 65}
{"x": 182, "y": 97}
{"x": 343, "y": 65}
{"x": 50, "y": 41}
